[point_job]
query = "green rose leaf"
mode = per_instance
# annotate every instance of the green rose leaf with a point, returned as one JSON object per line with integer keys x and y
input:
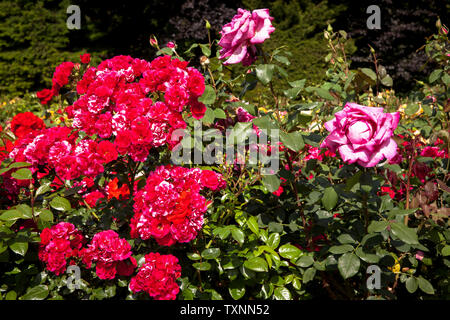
{"x": 39, "y": 292}
{"x": 298, "y": 83}
{"x": 292, "y": 93}
{"x": 22, "y": 174}
{"x": 209, "y": 116}
{"x": 211, "y": 253}
{"x": 425, "y": 285}
{"x": 411, "y": 108}
{"x": 253, "y": 225}
{"x": 237, "y": 289}
{"x": 257, "y": 264}
{"x": 222, "y": 232}
{"x": 446, "y": 251}
{"x": 346, "y": 238}
{"x": 309, "y": 275}
{"x": 282, "y": 59}
{"x": 166, "y": 50}
{"x": 202, "y": 266}
{"x": 282, "y": 293}
{"x": 370, "y": 73}
{"x": 19, "y": 165}
{"x": 348, "y": 265}
{"x": 219, "y": 114}
{"x": 25, "y": 210}
{"x": 205, "y": 50}
{"x": 367, "y": 257}
{"x": 264, "y": 73}
{"x": 46, "y": 215}
{"x": 324, "y": 93}
{"x": 110, "y": 291}
{"x": 377, "y": 226}
{"x": 341, "y": 249}
{"x": 289, "y": 251}
{"x": 60, "y": 203}
{"x": 274, "y": 240}
{"x": 407, "y": 235}
{"x": 20, "y": 248}
{"x": 330, "y": 198}
{"x": 11, "y": 215}
{"x": 305, "y": 261}
{"x": 436, "y": 74}
{"x": 238, "y": 235}
{"x": 11, "y": 295}
{"x": 193, "y": 256}
{"x": 271, "y": 182}
{"x": 45, "y": 187}
{"x": 208, "y": 96}
{"x": 411, "y": 284}
{"x": 293, "y": 140}
{"x": 387, "y": 81}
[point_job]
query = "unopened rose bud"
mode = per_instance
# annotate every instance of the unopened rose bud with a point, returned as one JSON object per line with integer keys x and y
{"x": 153, "y": 41}
{"x": 171, "y": 45}
{"x": 207, "y": 25}
{"x": 444, "y": 30}
{"x": 329, "y": 28}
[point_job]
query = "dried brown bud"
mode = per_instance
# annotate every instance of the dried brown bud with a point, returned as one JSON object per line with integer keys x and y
{"x": 204, "y": 60}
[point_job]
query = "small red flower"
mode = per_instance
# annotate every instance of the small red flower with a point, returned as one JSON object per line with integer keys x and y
{"x": 85, "y": 58}
{"x": 45, "y": 95}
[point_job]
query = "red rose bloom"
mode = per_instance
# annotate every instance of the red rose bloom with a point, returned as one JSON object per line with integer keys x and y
{"x": 85, "y": 58}
{"x": 61, "y": 76}
{"x": 24, "y": 123}
{"x": 198, "y": 109}
{"x": 158, "y": 276}
{"x": 45, "y": 95}
{"x": 107, "y": 151}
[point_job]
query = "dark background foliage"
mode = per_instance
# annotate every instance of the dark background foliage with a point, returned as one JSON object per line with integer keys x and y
{"x": 405, "y": 25}
{"x": 33, "y": 35}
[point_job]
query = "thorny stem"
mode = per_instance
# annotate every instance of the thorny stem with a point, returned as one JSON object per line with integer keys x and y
{"x": 32, "y": 202}
{"x": 209, "y": 39}
{"x": 375, "y": 62}
{"x": 366, "y": 214}
{"x": 133, "y": 172}
{"x": 90, "y": 210}
{"x": 408, "y": 183}
{"x": 198, "y": 271}
{"x": 294, "y": 188}
{"x": 275, "y": 97}
{"x": 326, "y": 285}
{"x": 212, "y": 79}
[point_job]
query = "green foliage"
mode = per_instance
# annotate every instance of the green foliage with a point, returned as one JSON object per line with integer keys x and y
{"x": 33, "y": 40}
